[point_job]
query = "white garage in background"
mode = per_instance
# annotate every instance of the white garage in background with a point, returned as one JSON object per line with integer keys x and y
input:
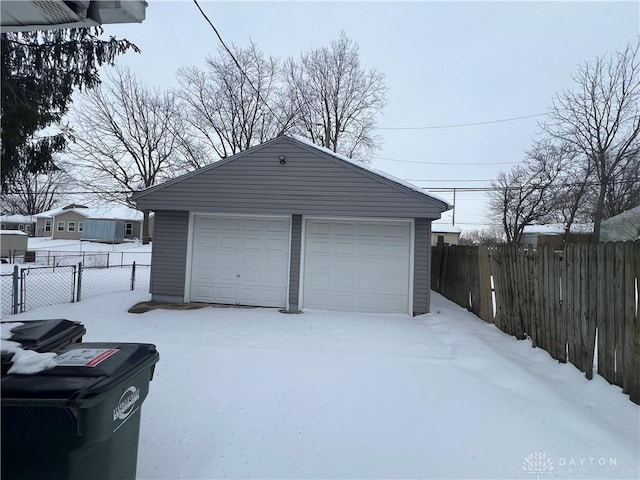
{"x": 240, "y": 260}
{"x": 357, "y": 265}
{"x": 292, "y": 225}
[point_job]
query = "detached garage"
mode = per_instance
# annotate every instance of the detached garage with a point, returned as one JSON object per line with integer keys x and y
{"x": 292, "y": 225}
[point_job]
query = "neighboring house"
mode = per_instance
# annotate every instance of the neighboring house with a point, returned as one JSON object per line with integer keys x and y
{"x": 292, "y": 225}
{"x": 443, "y": 235}
{"x": 554, "y": 234}
{"x": 79, "y": 222}
{"x": 13, "y": 243}
{"x": 23, "y": 223}
{"x": 622, "y": 227}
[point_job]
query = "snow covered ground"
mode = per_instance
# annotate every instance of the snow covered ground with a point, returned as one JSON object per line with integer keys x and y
{"x": 246, "y": 393}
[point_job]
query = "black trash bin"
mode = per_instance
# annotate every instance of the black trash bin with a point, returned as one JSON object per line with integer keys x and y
{"x": 42, "y": 336}
{"x": 81, "y": 419}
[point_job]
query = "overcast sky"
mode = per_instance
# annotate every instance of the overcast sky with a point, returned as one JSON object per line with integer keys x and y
{"x": 446, "y": 63}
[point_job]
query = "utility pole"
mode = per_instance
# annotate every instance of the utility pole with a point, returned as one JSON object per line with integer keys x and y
{"x": 453, "y": 222}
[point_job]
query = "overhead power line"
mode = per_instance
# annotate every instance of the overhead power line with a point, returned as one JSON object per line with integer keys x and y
{"x": 457, "y": 125}
{"x": 233, "y": 57}
{"x": 445, "y": 163}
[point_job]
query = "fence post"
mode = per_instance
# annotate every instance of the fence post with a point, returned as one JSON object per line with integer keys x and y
{"x": 15, "y": 290}
{"x": 23, "y": 291}
{"x": 79, "y": 290}
{"x": 133, "y": 275}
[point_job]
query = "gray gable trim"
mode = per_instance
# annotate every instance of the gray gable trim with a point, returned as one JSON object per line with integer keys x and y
{"x": 433, "y": 202}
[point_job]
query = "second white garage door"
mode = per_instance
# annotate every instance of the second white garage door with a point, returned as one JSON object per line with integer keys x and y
{"x": 240, "y": 260}
{"x": 357, "y": 266}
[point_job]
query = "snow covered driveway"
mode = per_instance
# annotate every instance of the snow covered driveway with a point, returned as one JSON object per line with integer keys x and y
{"x": 245, "y": 393}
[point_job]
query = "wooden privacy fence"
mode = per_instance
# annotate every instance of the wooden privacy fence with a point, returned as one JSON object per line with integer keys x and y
{"x": 580, "y": 304}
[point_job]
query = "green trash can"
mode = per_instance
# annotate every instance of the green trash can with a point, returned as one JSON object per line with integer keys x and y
{"x": 41, "y": 336}
{"x": 81, "y": 419}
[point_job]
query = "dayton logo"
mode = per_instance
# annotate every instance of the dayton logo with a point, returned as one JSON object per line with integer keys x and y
{"x": 537, "y": 463}
{"x": 126, "y": 403}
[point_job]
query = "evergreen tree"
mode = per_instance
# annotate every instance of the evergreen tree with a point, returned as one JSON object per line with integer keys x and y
{"x": 40, "y": 71}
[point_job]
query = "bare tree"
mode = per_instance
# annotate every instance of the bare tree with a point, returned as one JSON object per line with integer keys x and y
{"x": 573, "y": 187}
{"x": 600, "y": 117}
{"x": 624, "y": 192}
{"x": 489, "y": 236}
{"x": 32, "y": 193}
{"x": 126, "y": 138}
{"x": 526, "y": 194}
{"x": 232, "y": 109}
{"x": 336, "y": 99}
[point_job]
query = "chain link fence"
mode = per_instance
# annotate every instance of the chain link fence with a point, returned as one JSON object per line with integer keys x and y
{"x": 54, "y": 258}
{"x": 44, "y": 286}
{"x": 96, "y": 281}
{"x": 40, "y": 286}
{"x": 6, "y": 294}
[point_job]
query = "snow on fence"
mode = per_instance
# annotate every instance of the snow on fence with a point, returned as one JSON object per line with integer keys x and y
{"x": 39, "y": 286}
{"x": 580, "y": 304}
{"x": 56, "y": 258}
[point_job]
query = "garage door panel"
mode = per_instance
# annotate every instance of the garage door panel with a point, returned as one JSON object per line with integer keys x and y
{"x": 345, "y": 282}
{"x": 341, "y": 228}
{"x": 251, "y": 243}
{"x": 357, "y": 265}
{"x": 369, "y": 230}
{"x": 226, "y": 259}
{"x": 277, "y": 244}
{"x": 319, "y": 264}
{"x": 249, "y": 296}
{"x": 318, "y": 245}
{"x": 319, "y": 228}
{"x": 204, "y": 274}
{"x": 204, "y": 292}
{"x": 394, "y": 250}
{"x": 397, "y": 231}
{"x": 273, "y": 276}
{"x": 343, "y": 265}
{"x": 248, "y": 259}
{"x": 368, "y": 249}
{"x": 225, "y": 294}
{"x": 345, "y": 248}
{"x": 276, "y": 225}
{"x": 275, "y": 261}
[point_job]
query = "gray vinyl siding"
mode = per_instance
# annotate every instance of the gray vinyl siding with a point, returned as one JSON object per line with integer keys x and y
{"x": 294, "y": 269}
{"x": 422, "y": 266}
{"x": 169, "y": 254}
{"x": 309, "y": 183}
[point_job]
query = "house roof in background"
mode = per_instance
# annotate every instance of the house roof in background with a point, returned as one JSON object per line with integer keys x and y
{"x": 632, "y": 212}
{"x": 444, "y": 228}
{"x": 117, "y": 212}
{"x": 17, "y": 219}
{"x": 557, "y": 228}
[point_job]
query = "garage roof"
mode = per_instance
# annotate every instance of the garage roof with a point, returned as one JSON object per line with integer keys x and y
{"x": 293, "y": 175}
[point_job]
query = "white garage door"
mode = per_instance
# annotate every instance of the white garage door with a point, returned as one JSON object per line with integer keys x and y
{"x": 240, "y": 260}
{"x": 357, "y": 266}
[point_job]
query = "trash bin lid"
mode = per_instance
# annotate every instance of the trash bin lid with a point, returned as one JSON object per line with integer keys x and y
{"x": 84, "y": 371}
{"x": 44, "y": 335}
{"x": 40, "y": 336}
